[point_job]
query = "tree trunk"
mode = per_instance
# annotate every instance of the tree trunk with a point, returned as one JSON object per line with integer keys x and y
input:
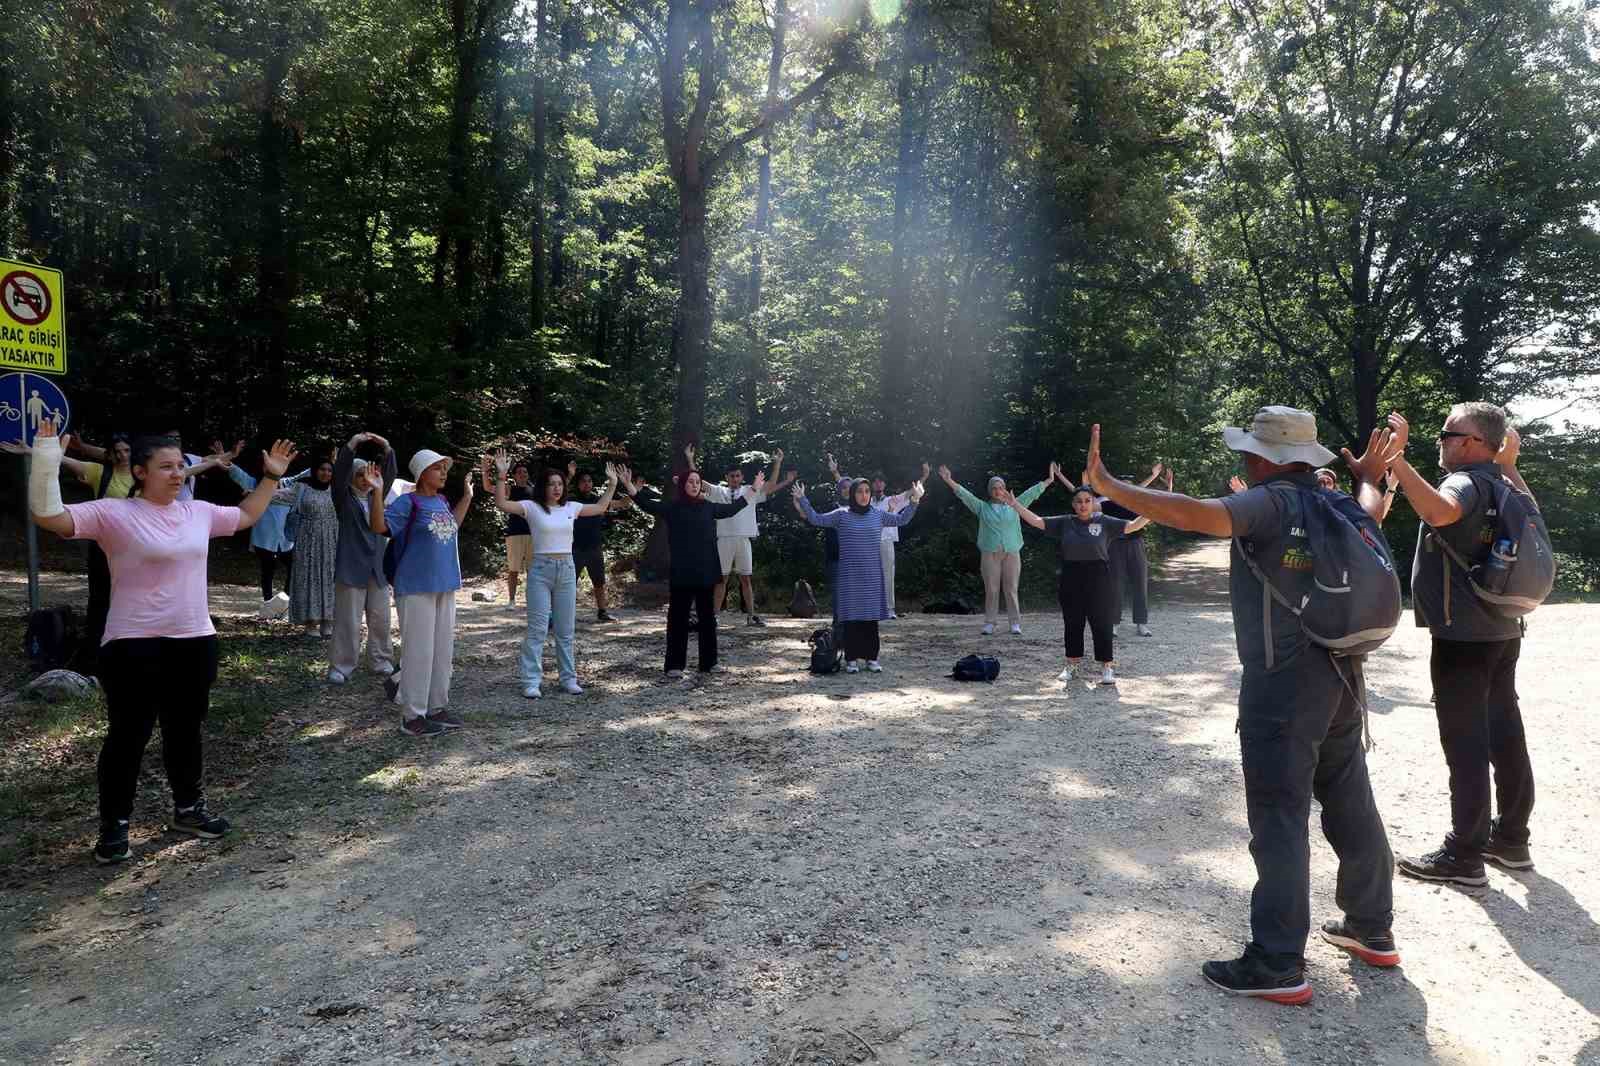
{"x": 693, "y": 326}
{"x": 756, "y": 366}
{"x": 272, "y": 271}
{"x": 896, "y": 354}
{"x": 537, "y": 162}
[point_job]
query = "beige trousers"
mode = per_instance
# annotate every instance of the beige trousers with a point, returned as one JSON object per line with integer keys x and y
{"x": 427, "y": 654}
{"x": 350, "y": 605}
{"x": 887, "y": 552}
{"x": 1001, "y": 569}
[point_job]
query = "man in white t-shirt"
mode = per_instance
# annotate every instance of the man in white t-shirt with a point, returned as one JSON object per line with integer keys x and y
{"x": 736, "y": 535}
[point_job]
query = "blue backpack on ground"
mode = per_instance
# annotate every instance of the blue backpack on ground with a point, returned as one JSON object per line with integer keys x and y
{"x": 1353, "y": 603}
{"x": 1519, "y": 572}
{"x": 976, "y": 668}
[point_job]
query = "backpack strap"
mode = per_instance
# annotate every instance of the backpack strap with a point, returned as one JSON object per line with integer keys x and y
{"x": 1269, "y": 592}
{"x": 405, "y": 536}
{"x": 1448, "y": 554}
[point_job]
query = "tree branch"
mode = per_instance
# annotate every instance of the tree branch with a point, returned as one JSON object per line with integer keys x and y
{"x": 771, "y": 116}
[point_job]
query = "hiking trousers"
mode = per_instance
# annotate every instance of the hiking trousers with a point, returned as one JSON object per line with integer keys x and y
{"x": 1480, "y": 726}
{"x": 1130, "y": 575}
{"x": 148, "y": 680}
{"x": 1300, "y": 737}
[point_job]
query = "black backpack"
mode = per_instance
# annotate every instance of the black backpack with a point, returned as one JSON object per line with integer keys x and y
{"x": 52, "y": 637}
{"x": 1519, "y": 571}
{"x": 803, "y": 604}
{"x": 825, "y": 658}
{"x": 976, "y": 668}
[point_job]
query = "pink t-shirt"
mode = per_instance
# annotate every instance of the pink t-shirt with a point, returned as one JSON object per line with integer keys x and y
{"x": 158, "y": 562}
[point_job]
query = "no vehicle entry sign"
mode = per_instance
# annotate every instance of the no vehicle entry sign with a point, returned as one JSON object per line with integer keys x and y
{"x": 33, "y": 318}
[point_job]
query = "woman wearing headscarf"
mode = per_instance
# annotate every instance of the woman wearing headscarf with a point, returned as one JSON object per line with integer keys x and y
{"x": 692, "y": 537}
{"x": 999, "y": 543}
{"x": 359, "y": 587}
{"x": 316, "y": 545}
{"x": 862, "y": 600}
{"x": 1084, "y": 586}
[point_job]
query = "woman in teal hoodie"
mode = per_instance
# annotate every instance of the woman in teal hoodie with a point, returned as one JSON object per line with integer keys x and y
{"x": 1000, "y": 542}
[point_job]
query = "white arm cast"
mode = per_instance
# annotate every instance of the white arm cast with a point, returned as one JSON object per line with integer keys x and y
{"x": 44, "y": 478}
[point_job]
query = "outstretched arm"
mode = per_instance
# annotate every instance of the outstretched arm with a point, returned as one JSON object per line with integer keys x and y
{"x": 1432, "y": 506}
{"x": 1022, "y": 510}
{"x": 1033, "y": 493}
{"x": 1166, "y": 508}
{"x": 273, "y": 464}
{"x": 809, "y": 513}
{"x": 460, "y": 509}
{"x": 603, "y": 504}
{"x": 968, "y": 500}
{"x": 44, "y": 481}
{"x": 502, "y": 463}
{"x": 1155, "y": 472}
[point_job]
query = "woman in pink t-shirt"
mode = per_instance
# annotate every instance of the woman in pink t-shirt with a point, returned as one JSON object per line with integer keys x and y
{"x": 158, "y": 658}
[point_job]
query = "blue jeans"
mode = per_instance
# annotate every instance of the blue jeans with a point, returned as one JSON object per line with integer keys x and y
{"x": 552, "y": 597}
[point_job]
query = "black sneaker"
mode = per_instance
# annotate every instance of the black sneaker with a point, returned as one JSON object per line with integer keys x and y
{"x": 199, "y": 822}
{"x": 1375, "y": 950}
{"x": 756, "y": 620}
{"x": 605, "y": 617}
{"x": 1442, "y": 866}
{"x": 113, "y": 845}
{"x": 445, "y": 718}
{"x": 1249, "y": 975}
{"x": 391, "y": 686}
{"x": 421, "y": 726}
{"x": 1503, "y": 854}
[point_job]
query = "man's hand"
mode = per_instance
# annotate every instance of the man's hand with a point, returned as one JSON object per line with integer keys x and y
{"x": 502, "y": 462}
{"x": 1510, "y": 450}
{"x": 1399, "y": 433}
{"x": 1236, "y": 483}
{"x": 1374, "y": 461}
{"x": 1155, "y": 471}
{"x": 1169, "y": 478}
{"x": 760, "y": 482}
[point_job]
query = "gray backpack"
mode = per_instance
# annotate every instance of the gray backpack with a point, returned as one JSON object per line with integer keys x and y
{"x": 1519, "y": 571}
{"x": 1353, "y": 604}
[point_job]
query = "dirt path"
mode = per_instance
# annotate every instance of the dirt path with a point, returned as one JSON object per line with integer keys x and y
{"x": 775, "y": 869}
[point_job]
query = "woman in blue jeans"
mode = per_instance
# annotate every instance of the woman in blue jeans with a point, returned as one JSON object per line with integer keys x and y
{"x": 552, "y": 579}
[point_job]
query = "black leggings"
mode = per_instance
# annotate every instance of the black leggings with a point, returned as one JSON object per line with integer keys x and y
{"x": 861, "y": 640}
{"x": 269, "y": 561}
{"x": 99, "y": 606}
{"x": 146, "y": 680}
{"x": 682, "y": 597}
{"x": 1086, "y": 594}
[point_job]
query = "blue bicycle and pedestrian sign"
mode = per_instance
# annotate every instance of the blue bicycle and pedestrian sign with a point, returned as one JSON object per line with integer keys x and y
{"x": 26, "y": 401}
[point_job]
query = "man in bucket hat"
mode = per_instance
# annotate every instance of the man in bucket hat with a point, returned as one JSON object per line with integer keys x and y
{"x": 1299, "y": 722}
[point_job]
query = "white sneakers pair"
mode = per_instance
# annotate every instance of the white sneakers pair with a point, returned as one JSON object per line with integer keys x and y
{"x": 988, "y": 628}
{"x": 570, "y": 686}
{"x": 1085, "y": 671}
{"x": 873, "y": 667}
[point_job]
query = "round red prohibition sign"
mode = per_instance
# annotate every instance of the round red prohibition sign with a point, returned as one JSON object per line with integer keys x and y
{"x": 25, "y": 297}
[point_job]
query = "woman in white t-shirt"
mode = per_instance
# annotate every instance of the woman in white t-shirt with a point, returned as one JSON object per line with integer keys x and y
{"x": 552, "y": 579}
{"x": 158, "y": 658}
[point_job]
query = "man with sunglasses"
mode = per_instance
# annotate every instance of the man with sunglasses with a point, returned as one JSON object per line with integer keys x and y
{"x": 1474, "y": 660}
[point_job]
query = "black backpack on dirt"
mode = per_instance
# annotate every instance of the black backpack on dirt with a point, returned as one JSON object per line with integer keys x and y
{"x": 803, "y": 604}
{"x": 976, "y": 668}
{"x": 52, "y": 637}
{"x": 954, "y": 605}
{"x": 1353, "y": 604}
{"x": 825, "y": 658}
{"x": 1519, "y": 571}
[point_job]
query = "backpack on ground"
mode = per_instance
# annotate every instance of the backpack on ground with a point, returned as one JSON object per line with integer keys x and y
{"x": 825, "y": 657}
{"x": 1519, "y": 572}
{"x": 976, "y": 668}
{"x": 1353, "y": 603}
{"x": 954, "y": 605}
{"x": 803, "y": 604}
{"x": 52, "y": 636}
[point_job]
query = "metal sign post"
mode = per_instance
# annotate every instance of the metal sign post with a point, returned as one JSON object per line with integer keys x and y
{"x": 26, "y": 400}
{"x": 33, "y": 539}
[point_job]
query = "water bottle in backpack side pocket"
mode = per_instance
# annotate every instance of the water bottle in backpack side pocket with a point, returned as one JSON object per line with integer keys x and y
{"x": 1497, "y": 568}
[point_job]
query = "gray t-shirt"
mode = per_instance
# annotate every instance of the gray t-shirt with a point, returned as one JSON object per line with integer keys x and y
{"x": 1264, "y": 519}
{"x": 1084, "y": 542}
{"x": 1468, "y": 618}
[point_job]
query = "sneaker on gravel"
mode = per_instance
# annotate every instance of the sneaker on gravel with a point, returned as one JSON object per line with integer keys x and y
{"x": 1249, "y": 975}
{"x": 1376, "y": 949}
{"x": 875, "y": 667}
{"x": 604, "y": 616}
{"x": 1116, "y": 629}
{"x": 1441, "y": 865}
{"x": 571, "y": 687}
{"x": 445, "y": 718}
{"x": 851, "y": 667}
{"x": 988, "y": 628}
{"x": 1506, "y": 855}
{"x": 531, "y": 692}
{"x": 716, "y": 668}
{"x": 755, "y": 620}
{"x": 1016, "y": 631}
{"x": 893, "y": 616}
{"x": 1107, "y": 676}
{"x": 1067, "y": 675}
{"x": 336, "y": 678}
{"x": 383, "y": 670}
{"x": 675, "y": 675}
{"x": 199, "y": 822}
{"x": 113, "y": 844}
{"x": 421, "y": 726}
{"x": 1144, "y": 631}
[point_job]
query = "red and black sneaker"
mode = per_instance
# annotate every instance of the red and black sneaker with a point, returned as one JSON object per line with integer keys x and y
{"x": 1376, "y": 949}
{"x": 1250, "y": 975}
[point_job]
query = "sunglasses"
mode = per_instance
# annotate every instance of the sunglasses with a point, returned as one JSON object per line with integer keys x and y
{"x": 1447, "y": 434}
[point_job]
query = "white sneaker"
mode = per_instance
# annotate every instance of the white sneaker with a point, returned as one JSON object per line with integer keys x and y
{"x": 874, "y": 667}
{"x": 276, "y": 607}
{"x": 892, "y": 615}
{"x": 531, "y": 692}
{"x": 1067, "y": 675}
{"x": 988, "y": 627}
{"x": 336, "y": 678}
{"x": 1116, "y": 629}
{"x": 1144, "y": 631}
{"x": 720, "y": 668}
{"x": 1107, "y": 676}
{"x": 1016, "y": 631}
{"x": 571, "y": 687}
{"x": 851, "y": 667}
{"x": 383, "y": 671}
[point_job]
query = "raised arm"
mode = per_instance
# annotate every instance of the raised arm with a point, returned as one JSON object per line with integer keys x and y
{"x": 79, "y": 468}
{"x": 777, "y": 468}
{"x": 502, "y": 500}
{"x": 460, "y": 509}
{"x": 901, "y": 517}
{"x": 1371, "y": 470}
{"x": 603, "y": 504}
{"x": 1033, "y": 493}
{"x": 1166, "y": 508}
{"x": 1510, "y": 450}
{"x": 1432, "y": 506}
{"x": 1155, "y": 472}
{"x": 273, "y": 464}
{"x": 1022, "y": 510}
{"x": 803, "y": 505}
{"x": 649, "y": 504}
{"x": 1135, "y": 525}
{"x": 44, "y": 481}
{"x": 968, "y": 500}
